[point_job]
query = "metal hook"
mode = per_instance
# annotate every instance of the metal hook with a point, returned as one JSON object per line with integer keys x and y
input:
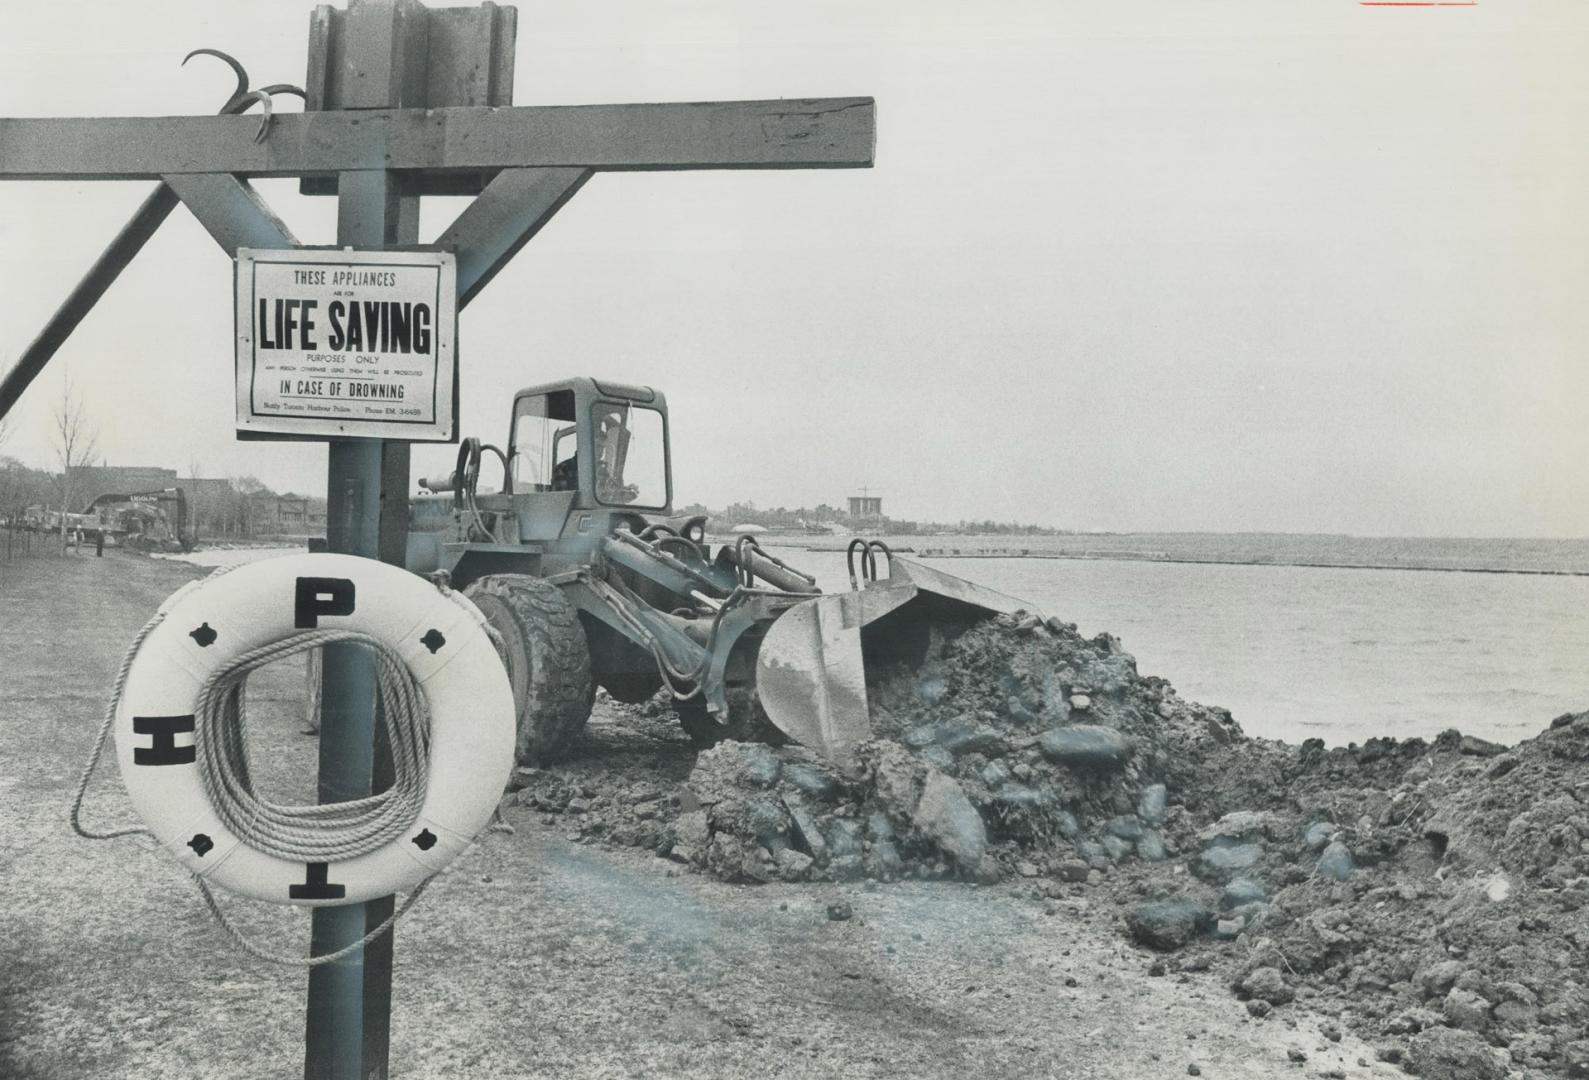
{"x": 263, "y": 96}
{"x": 240, "y": 101}
{"x": 237, "y": 69}
{"x": 264, "y": 111}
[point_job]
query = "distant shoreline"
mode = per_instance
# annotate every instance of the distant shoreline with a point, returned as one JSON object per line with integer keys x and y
{"x": 955, "y": 553}
{"x": 1526, "y": 558}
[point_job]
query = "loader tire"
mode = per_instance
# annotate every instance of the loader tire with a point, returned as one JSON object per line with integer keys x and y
{"x": 542, "y": 644}
{"x": 747, "y": 721}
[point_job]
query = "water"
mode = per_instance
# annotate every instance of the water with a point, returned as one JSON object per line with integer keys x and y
{"x": 1304, "y": 652}
{"x": 1307, "y": 652}
{"x": 1513, "y": 554}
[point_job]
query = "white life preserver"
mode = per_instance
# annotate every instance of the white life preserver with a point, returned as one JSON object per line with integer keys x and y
{"x": 440, "y": 638}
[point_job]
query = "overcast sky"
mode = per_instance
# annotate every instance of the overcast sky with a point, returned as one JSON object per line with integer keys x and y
{"x": 1231, "y": 265}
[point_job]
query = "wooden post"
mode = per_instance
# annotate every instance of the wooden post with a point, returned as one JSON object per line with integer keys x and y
{"x": 348, "y": 1022}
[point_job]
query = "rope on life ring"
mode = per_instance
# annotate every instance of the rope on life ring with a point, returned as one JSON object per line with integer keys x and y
{"x": 443, "y": 698}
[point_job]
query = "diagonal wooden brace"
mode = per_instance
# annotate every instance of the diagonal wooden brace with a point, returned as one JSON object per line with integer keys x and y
{"x": 231, "y": 210}
{"x": 502, "y": 219}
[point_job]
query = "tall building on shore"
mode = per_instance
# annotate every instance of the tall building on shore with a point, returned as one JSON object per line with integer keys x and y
{"x": 866, "y": 507}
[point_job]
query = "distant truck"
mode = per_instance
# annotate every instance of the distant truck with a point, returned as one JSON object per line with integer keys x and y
{"x": 143, "y": 521}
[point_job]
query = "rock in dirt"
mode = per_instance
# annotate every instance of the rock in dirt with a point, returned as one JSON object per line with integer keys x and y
{"x": 794, "y": 865}
{"x": 1467, "y": 1010}
{"x": 691, "y": 836}
{"x": 1443, "y": 1053}
{"x": 1438, "y": 979}
{"x": 810, "y": 780}
{"x": 1168, "y": 925}
{"x": 1224, "y": 859}
{"x": 1239, "y": 825}
{"x": 1266, "y": 984}
{"x": 1072, "y": 870}
{"x": 1153, "y": 804}
{"x": 896, "y": 778}
{"x": 946, "y": 816}
{"x": 1087, "y": 747}
{"x": 1336, "y": 862}
{"x": 1474, "y": 746}
{"x": 1241, "y": 891}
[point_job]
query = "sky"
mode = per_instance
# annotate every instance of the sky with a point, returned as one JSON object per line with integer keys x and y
{"x": 1235, "y": 265}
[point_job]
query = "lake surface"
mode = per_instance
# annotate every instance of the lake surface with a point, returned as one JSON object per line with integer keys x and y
{"x": 1306, "y": 652}
{"x": 1299, "y": 652}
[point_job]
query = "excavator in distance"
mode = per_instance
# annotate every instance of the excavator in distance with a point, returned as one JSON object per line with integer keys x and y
{"x": 589, "y": 579}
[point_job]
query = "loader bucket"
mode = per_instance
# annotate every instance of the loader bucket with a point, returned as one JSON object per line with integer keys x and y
{"x": 811, "y": 670}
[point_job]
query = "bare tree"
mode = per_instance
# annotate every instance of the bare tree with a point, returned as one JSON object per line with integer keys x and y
{"x": 76, "y": 439}
{"x": 6, "y": 428}
{"x": 8, "y": 495}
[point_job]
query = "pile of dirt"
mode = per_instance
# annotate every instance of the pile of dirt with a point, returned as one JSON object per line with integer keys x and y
{"x": 1437, "y": 894}
{"x": 1433, "y": 896}
{"x": 1017, "y": 749}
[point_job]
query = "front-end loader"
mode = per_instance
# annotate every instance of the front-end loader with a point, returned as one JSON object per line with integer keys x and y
{"x": 588, "y": 579}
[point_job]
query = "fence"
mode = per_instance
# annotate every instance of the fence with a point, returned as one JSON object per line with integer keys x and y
{"x": 19, "y": 541}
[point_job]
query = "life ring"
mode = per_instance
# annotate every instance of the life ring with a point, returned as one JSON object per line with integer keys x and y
{"x": 442, "y": 640}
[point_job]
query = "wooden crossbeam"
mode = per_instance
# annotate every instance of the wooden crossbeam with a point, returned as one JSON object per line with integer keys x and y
{"x": 786, "y": 134}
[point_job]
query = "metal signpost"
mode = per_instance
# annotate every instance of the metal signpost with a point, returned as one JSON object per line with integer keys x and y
{"x": 401, "y": 101}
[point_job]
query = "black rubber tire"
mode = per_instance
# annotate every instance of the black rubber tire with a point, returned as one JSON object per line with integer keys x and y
{"x": 544, "y": 649}
{"x": 747, "y": 721}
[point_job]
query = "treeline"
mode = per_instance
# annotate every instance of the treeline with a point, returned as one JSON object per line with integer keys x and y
{"x": 1008, "y": 528}
{"x": 825, "y": 518}
{"x": 21, "y": 487}
{"x": 243, "y": 507}
{"x": 238, "y": 507}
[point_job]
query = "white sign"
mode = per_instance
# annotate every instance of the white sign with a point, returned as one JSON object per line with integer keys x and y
{"x": 339, "y": 344}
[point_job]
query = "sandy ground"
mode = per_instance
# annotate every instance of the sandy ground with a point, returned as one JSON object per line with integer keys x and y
{"x": 536, "y": 955}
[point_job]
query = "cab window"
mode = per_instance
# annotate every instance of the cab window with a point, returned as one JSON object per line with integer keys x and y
{"x": 631, "y": 455}
{"x": 545, "y": 443}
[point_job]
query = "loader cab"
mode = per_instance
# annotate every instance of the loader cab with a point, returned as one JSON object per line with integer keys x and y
{"x": 604, "y": 443}
{"x": 583, "y": 459}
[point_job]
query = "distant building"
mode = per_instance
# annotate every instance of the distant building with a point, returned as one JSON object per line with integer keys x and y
{"x": 866, "y": 506}
{"x": 285, "y": 514}
{"x": 96, "y": 480}
{"x": 215, "y": 507}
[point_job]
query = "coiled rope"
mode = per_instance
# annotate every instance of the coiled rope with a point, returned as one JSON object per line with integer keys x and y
{"x": 325, "y": 832}
{"x": 308, "y": 833}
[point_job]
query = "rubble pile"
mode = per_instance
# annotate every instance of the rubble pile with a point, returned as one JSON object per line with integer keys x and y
{"x": 1434, "y": 896}
{"x": 1434, "y": 893}
{"x": 1017, "y": 749}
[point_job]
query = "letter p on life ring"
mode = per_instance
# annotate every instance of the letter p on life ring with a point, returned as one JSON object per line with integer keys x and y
{"x": 442, "y": 640}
